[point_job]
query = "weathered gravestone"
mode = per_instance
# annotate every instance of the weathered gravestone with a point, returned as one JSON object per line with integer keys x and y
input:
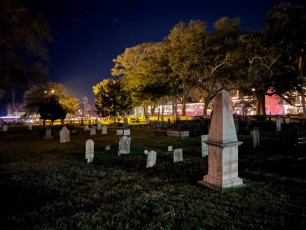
{"x": 119, "y": 132}
{"x": 92, "y": 131}
{"x": 170, "y": 149}
{"x": 104, "y": 129}
{"x": 107, "y": 147}
{"x": 48, "y": 134}
{"x": 4, "y": 128}
{"x": 127, "y": 132}
{"x": 145, "y": 152}
{"x": 287, "y": 120}
{"x": 255, "y": 137}
{"x": 30, "y": 125}
{"x": 124, "y": 145}
{"x": 278, "y": 124}
{"x": 89, "y": 150}
{"x": 64, "y": 135}
{"x": 204, "y": 145}
{"x": 151, "y": 159}
{"x": 99, "y": 127}
{"x": 86, "y": 128}
{"x": 222, "y": 146}
{"x": 177, "y": 155}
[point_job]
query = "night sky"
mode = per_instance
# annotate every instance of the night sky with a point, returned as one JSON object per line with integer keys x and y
{"x": 88, "y": 35}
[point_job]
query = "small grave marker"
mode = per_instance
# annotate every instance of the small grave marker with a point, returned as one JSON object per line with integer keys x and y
{"x": 124, "y": 145}
{"x": 204, "y": 145}
{"x": 127, "y": 132}
{"x": 48, "y": 134}
{"x": 119, "y": 132}
{"x": 4, "y": 128}
{"x": 278, "y": 124}
{"x": 89, "y": 150}
{"x": 93, "y": 131}
{"x": 177, "y": 155}
{"x": 99, "y": 125}
{"x": 255, "y": 137}
{"x": 151, "y": 159}
{"x": 104, "y": 129}
{"x": 64, "y": 135}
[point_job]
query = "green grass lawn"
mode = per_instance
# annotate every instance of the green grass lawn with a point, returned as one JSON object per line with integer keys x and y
{"x": 45, "y": 184}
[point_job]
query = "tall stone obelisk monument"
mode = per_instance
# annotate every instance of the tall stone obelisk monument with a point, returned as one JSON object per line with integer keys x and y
{"x": 222, "y": 146}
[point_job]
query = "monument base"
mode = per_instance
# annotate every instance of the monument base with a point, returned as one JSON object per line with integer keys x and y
{"x": 216, "y": 183}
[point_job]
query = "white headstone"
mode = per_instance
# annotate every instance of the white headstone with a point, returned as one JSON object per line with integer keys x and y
{"x": 204, "y": 145}
{"x": 92, "y": 131}
{"x": 127, "y": 132}
{"x": 177, "y": 155}
{"x": 4, "y": 128}
{"x": 119, "y": 132}
{"x": 287, "y": 120}
{"x": 64, "y": 135}
{"x": 48, "y": 134}
{"x": 222, "y": 146}
{"x": 99, "y": 126}
{"x": 145, "y": 152}
{"x": 255, "y": 137}
{"x": 86, "y": 128}
{"x": 89, "y": 150}
{"x": 107, "y": 147}
{"x": 104, "y": 129}
{"x": 236, "y": 121}
{"x": 170, "y": 149}
{"x": 30, "y": 126}
{"x": 124, "y": 145}
{"x": 151, "y": 159}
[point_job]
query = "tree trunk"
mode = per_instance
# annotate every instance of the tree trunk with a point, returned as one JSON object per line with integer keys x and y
{"x": 206, "y": 103}
{"x": 145, "y": 110}
{"x": 162, "y": 112}
{"x": 174, "y": 108}
{"x": 184, "y": 107}
{"x": 260, "y": 103}
{"x": 153, "y": 107}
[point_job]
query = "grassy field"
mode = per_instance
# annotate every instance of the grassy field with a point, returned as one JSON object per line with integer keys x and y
{"x": 48, "y": 185}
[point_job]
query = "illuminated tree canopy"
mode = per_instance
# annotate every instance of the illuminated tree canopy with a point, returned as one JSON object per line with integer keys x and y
{"x": 50, "y": 100}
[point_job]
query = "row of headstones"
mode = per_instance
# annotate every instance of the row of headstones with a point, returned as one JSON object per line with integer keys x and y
{"x": 5, "y": 127}
{"x": 279, "y": 122}
{"x": 93, "y": 129}
{"x": 152, "y": 155}
{"x": 124, "y": 148}
{"x": 65, "y": 133}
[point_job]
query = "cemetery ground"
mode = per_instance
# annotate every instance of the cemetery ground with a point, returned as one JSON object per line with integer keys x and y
{"x": 45, "y": 184}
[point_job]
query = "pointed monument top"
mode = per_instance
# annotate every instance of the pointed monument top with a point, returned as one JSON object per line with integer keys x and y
{"x": 222, "y": 128}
